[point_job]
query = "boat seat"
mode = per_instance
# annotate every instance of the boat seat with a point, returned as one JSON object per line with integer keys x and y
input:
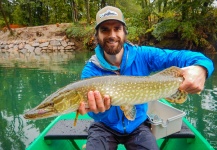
{"x": 64, "y": 129}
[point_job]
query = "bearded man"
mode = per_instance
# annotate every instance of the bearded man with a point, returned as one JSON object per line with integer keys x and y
{"x": 114, "y": 55}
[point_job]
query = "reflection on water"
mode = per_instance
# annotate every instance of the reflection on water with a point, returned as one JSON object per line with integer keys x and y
{"x": 46, "y": 61}
{"x": 208, "y": 99}
{"x": 26, "y": 82}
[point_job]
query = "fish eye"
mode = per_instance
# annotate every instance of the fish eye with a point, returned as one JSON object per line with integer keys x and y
{"x": 51, "y": 104}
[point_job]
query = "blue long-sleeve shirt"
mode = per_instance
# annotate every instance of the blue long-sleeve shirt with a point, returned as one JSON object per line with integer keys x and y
{"x": 138, "y": 61}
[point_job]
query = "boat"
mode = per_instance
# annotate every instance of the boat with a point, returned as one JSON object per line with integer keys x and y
{"x": 198, "y": 142}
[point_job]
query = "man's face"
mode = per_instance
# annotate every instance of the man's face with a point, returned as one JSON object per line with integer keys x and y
{"x": 111, "y": 36}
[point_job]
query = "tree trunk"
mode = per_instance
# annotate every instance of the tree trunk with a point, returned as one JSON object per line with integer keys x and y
{"x": 115, "y": 3}
{"x": 184, "y": 10}
{"x": 164, "y": 5}
{"x": 103, "y": 2}
{"x": 204, "y": 8}
{"x": 87, "y": 10}
{"x": 30, "y": 14}
{"x": 75, "y": 12}
{"x": 5, "y": 19}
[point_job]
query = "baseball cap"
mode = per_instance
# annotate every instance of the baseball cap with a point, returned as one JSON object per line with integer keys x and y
{"x": 109, "y": 13}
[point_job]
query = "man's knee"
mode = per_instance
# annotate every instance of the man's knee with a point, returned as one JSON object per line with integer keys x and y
{"x": 142, "y": 138}
{"x": 99, "y": 138}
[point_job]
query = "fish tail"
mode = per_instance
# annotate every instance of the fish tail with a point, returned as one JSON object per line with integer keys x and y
{"x": 179, "y": 97}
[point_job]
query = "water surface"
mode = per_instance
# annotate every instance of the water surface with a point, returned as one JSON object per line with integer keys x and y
{"x": 28, "y": 79}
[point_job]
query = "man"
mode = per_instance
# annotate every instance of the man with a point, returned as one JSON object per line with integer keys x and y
{"x": 115, "y": 56}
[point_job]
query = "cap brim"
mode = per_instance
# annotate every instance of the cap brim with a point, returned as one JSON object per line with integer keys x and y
{"x": 110, "y": 20}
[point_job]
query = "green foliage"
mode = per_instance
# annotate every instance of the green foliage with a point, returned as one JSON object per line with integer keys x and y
{"x": 188, "y": 32}
{"x": 2, "y": 23}
{"x": 193, "y": 21}
{"x": 165, "y": 27}
{"x": 135, "y": 33}
{"x": 82, "y": 32}
{"x": 19, "y": 16}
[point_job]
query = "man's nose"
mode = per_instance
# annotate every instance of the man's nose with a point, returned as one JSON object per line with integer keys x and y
{"x": 112, "y": 33}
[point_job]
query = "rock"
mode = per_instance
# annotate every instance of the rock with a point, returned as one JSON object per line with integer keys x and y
{"x": 55, "y": 43}
{"x": 11, "y": 45}
{"x": 23, "y": 50}
{"x": 29, "y": 48}
{"x": 26, "y": 41}
{"x": 44, "y": 44}
{"x": 55, "y": 48}
{"x": 64, "y": 44}
{"x": 61, "y": 48}
{"x": 68, "y": 47}
{"x": 35, "y": 44}
{"x": 71, "y": 43}
{"x": 21, "y": 46}
{"x": 42, "y": 41}
{"x": 3, "y": 50}
{"x": 44, "y": 48}
{"x": 38, "y": 51}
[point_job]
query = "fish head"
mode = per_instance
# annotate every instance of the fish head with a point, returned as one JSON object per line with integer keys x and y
{"x": 56, "y": 104}
{"x": 44, "y": 110}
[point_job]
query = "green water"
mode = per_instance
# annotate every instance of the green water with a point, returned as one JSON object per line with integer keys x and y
{"x": 26, "y": 81}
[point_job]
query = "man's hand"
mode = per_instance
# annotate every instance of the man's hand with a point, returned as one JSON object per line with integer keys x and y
{"x": 96, "y": 103}
{"x": 194, "y": 79}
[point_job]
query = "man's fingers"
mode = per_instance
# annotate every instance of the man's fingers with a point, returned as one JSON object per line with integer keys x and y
{"x": 107, "y": 102}
{"x": 95, "y": 103}
{"x": 82, "y": 110}
{"x": 92, "y": 102}
{"x": 99, "y": 101}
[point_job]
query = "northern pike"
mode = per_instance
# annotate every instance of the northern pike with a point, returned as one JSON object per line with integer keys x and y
{"x": 124, "y": 91}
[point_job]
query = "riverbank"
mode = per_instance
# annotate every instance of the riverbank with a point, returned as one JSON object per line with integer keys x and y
{"x": 52, "y": 38}
{"x": 39, "y": 39}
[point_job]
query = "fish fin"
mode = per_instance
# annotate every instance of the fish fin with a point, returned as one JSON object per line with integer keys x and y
{"x": 129, "y": 111}
{"x": 77, "y": 112}
{"x": 179, "y": 97}
{"x": 172, "y": 71}
{"x": 76, "y": 118}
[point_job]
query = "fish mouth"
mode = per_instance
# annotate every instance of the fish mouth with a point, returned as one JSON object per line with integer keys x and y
{"x": 39, "y": 113}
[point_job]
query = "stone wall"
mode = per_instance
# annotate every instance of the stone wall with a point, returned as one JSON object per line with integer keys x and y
{"x": 37, "y": 54}
{"x": 37, "y": 46}
{"x": 33, "y": 53}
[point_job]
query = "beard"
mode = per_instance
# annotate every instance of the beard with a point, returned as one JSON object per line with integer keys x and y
{"x": 114, "y": 48}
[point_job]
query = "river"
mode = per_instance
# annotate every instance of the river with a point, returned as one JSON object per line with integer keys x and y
{"x": 27, "y": 80}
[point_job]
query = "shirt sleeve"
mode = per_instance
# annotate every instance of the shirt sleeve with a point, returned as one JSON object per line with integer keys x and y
{"x": 159, "y": 59}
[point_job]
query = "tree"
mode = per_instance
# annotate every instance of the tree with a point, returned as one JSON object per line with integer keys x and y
{"x": 87, "y": 10}
{"x": 5, "y": 18}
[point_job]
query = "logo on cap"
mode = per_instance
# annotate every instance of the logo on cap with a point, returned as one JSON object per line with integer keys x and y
{"x": 108, "y": 13}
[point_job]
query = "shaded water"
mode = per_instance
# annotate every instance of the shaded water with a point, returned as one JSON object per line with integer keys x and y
{"x": 26, "y": 82}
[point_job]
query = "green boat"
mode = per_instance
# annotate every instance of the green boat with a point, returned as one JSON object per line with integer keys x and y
{"x": 192, "y": 141}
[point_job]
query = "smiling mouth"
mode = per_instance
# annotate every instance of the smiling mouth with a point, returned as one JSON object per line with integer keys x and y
{"x": 111, "y": 42}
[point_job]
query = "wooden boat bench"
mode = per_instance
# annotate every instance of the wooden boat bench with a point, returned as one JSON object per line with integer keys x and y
{"x": 64, "y": 129}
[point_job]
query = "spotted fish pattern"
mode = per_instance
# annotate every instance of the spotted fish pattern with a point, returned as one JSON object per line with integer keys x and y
{"x": 124, "y": 91}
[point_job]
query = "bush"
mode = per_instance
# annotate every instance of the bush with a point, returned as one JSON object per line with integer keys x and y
{"x": 82, "y": 32}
